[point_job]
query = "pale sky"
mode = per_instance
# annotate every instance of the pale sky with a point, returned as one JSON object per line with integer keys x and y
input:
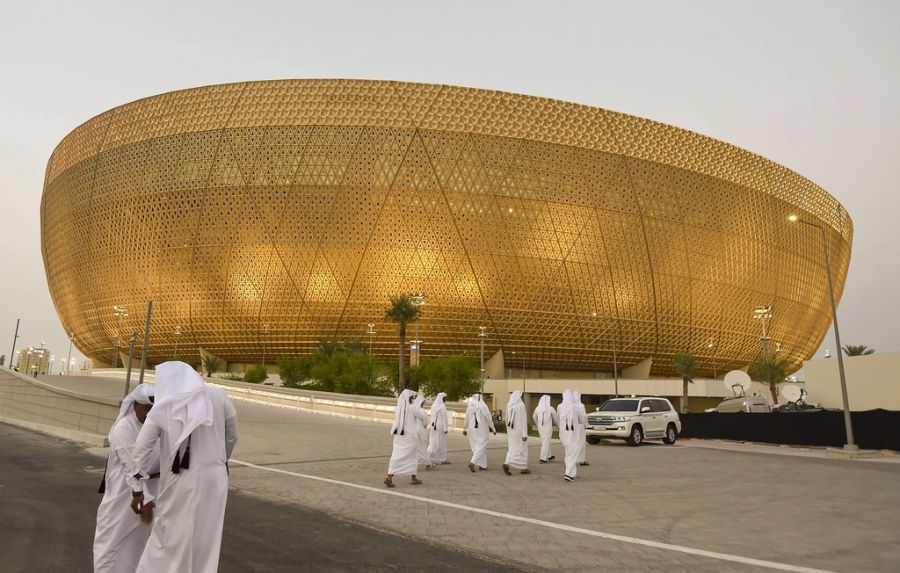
{"x": 812, "y": 85}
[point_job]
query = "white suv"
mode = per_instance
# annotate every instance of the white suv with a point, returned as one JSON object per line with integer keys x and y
{"x": 634, "y": 419}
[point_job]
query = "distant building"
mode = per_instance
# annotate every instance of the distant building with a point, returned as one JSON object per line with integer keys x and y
{"x": 33, "y": 360}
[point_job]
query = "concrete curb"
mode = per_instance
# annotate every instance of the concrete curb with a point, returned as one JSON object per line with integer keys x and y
{"x": 88, "y": 438}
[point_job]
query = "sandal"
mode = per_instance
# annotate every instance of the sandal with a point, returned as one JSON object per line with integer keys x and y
{"x": 526, "y": 471}
{"x": 506, "y": 470}
{"x": 415, "y": 481}
{"x": 389, "y": 482}
{"x": 472, "y": 468}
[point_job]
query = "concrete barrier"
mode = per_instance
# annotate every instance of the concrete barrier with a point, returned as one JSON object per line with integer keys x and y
{"x": 35, "y": 405}
{"x": 373, "y": 408}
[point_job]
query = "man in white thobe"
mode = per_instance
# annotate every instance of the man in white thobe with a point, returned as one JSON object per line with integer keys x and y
{"x": 545, "y": 418}
{"x": 568, "y": 434}
{"x": 478, "y": 426}
{"x": 121, "y": 535}
{"x": 196, "y": 428}
{"x": 422, "y": 431}
{"x": 581, "y": 428}
{"x": 516, "y": 435}
{"x": 437, "y": 430}
{"x": 405, "y": 451}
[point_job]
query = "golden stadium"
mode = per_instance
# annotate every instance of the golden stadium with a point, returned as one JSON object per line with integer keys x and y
{"x": 261, "y": 217}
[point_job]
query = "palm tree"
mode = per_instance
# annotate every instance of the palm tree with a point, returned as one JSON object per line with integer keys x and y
{"x": 771, "y": 371}
{"x": 685, "y": 365}
{"x": 858, "y": 350}
{"x": 211, "y": 364}
{"x": 402, "y": 311}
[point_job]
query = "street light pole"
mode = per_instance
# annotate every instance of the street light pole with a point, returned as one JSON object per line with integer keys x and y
{"x": 131, "y": 340}
{"x": 848, "y": 423}
{"x": 371, "y": 333}
{"x": 69, "y": 358}
{"x": 482, "y": 335}
{"x": 119, "y": 311}
{"x": 177, "y": 336}
{"x": 264, "y": 333}
{"x": 144, "y": 350}
{"x": 15, "y": 337}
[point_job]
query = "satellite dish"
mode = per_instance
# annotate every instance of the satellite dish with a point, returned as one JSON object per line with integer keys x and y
{"x": 738, "y": 382}
{"x": 791, "y": 392}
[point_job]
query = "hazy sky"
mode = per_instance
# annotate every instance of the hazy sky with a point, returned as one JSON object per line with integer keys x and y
{"x": 812, "y": 85}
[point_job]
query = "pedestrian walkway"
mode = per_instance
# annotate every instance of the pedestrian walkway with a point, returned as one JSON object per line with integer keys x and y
{"x": 632, "y": 509}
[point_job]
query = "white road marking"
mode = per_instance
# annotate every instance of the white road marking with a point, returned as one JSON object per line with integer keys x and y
{"x": 550, "y": 524}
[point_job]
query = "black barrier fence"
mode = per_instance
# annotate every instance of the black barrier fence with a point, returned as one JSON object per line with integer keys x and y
{"x": 873, "y": 429}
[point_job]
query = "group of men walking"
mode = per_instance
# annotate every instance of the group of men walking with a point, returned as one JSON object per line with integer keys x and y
{"x": 417, "y": 441}
{"x": 166, "y": 480}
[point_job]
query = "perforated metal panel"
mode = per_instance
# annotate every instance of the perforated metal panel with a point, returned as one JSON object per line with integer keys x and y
{"x": 263, "y": 216}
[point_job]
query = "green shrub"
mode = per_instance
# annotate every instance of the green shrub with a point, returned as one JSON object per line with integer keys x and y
{"x": 256, "y": 374}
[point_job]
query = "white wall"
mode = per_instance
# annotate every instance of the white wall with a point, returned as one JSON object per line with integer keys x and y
{"x": 872, "y": 381}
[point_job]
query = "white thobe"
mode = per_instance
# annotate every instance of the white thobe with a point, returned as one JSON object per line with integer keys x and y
{"x": 580, "y": 427}
{"x": 120, "y": 536}
{"x": 517, "y": 448}
{"x": 569, "y": 439}
{"x": 422, "y": 435}
{"x": 478, "y": 437}
{"x": 545, "y": 422}
{"x": 437, "y": 443}
{"x": 190, "y": 508}
{"x": 405, "y": 452}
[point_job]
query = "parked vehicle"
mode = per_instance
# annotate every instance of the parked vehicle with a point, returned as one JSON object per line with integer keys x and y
{"x": 746, "y": 404}
{"x": 634, "y": 420}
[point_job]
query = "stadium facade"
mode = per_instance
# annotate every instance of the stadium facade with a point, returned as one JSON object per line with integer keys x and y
{"x": 261, "y": 217}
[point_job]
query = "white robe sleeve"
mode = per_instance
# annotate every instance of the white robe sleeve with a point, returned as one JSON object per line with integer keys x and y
{"x": 142, "y": 455}
{"x": 231, "y": 430}
{"x": 490, "y": 420}
{"x": 468, "y": 419}
{"x": 555, "y": 417}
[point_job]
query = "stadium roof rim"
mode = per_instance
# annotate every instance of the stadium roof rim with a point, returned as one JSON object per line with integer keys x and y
{"x": 572, "y": 124}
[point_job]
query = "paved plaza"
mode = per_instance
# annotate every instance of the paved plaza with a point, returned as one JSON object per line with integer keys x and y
{"x": 800, "y": 511}
{"x": 696, "y": 506}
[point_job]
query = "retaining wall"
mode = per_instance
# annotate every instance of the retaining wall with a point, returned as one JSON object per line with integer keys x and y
{"x": 32, "y": 404}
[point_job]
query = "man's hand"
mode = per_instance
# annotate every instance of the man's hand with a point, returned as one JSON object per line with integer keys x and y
{"x": 465, "y": 433}
{"x": 147, "y": 513}
{"x": 524, "y": 438}
{"x": 137, "y": 502}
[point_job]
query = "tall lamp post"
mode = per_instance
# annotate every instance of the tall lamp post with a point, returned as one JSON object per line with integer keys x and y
{"x": 69, "y": 358}
{"x": 418, "y": 299}
{"x": 371, "y": 333}
{"x": 177, "y": 334}
{"x": 15, "y": 338}
{"x": 482, "y": 335}
{"x": 763, "y": 313}
{"x": 848, "y": 424}
{"x": 120, "y": 312}
{"x": 615, "y": 355}
{"x": 264, "y": 333}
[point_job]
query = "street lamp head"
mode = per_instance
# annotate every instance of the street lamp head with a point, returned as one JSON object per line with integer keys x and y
{"x": 793, "y": 218}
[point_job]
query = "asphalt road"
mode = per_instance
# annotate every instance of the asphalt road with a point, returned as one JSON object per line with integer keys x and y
{"x": 48, "y": 505}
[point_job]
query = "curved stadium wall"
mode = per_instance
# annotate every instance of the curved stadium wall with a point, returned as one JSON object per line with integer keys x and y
{"x": 261, "y": 217}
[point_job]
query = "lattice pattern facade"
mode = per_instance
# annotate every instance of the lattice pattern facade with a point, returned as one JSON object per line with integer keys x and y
{"x": 263, "y": 216}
